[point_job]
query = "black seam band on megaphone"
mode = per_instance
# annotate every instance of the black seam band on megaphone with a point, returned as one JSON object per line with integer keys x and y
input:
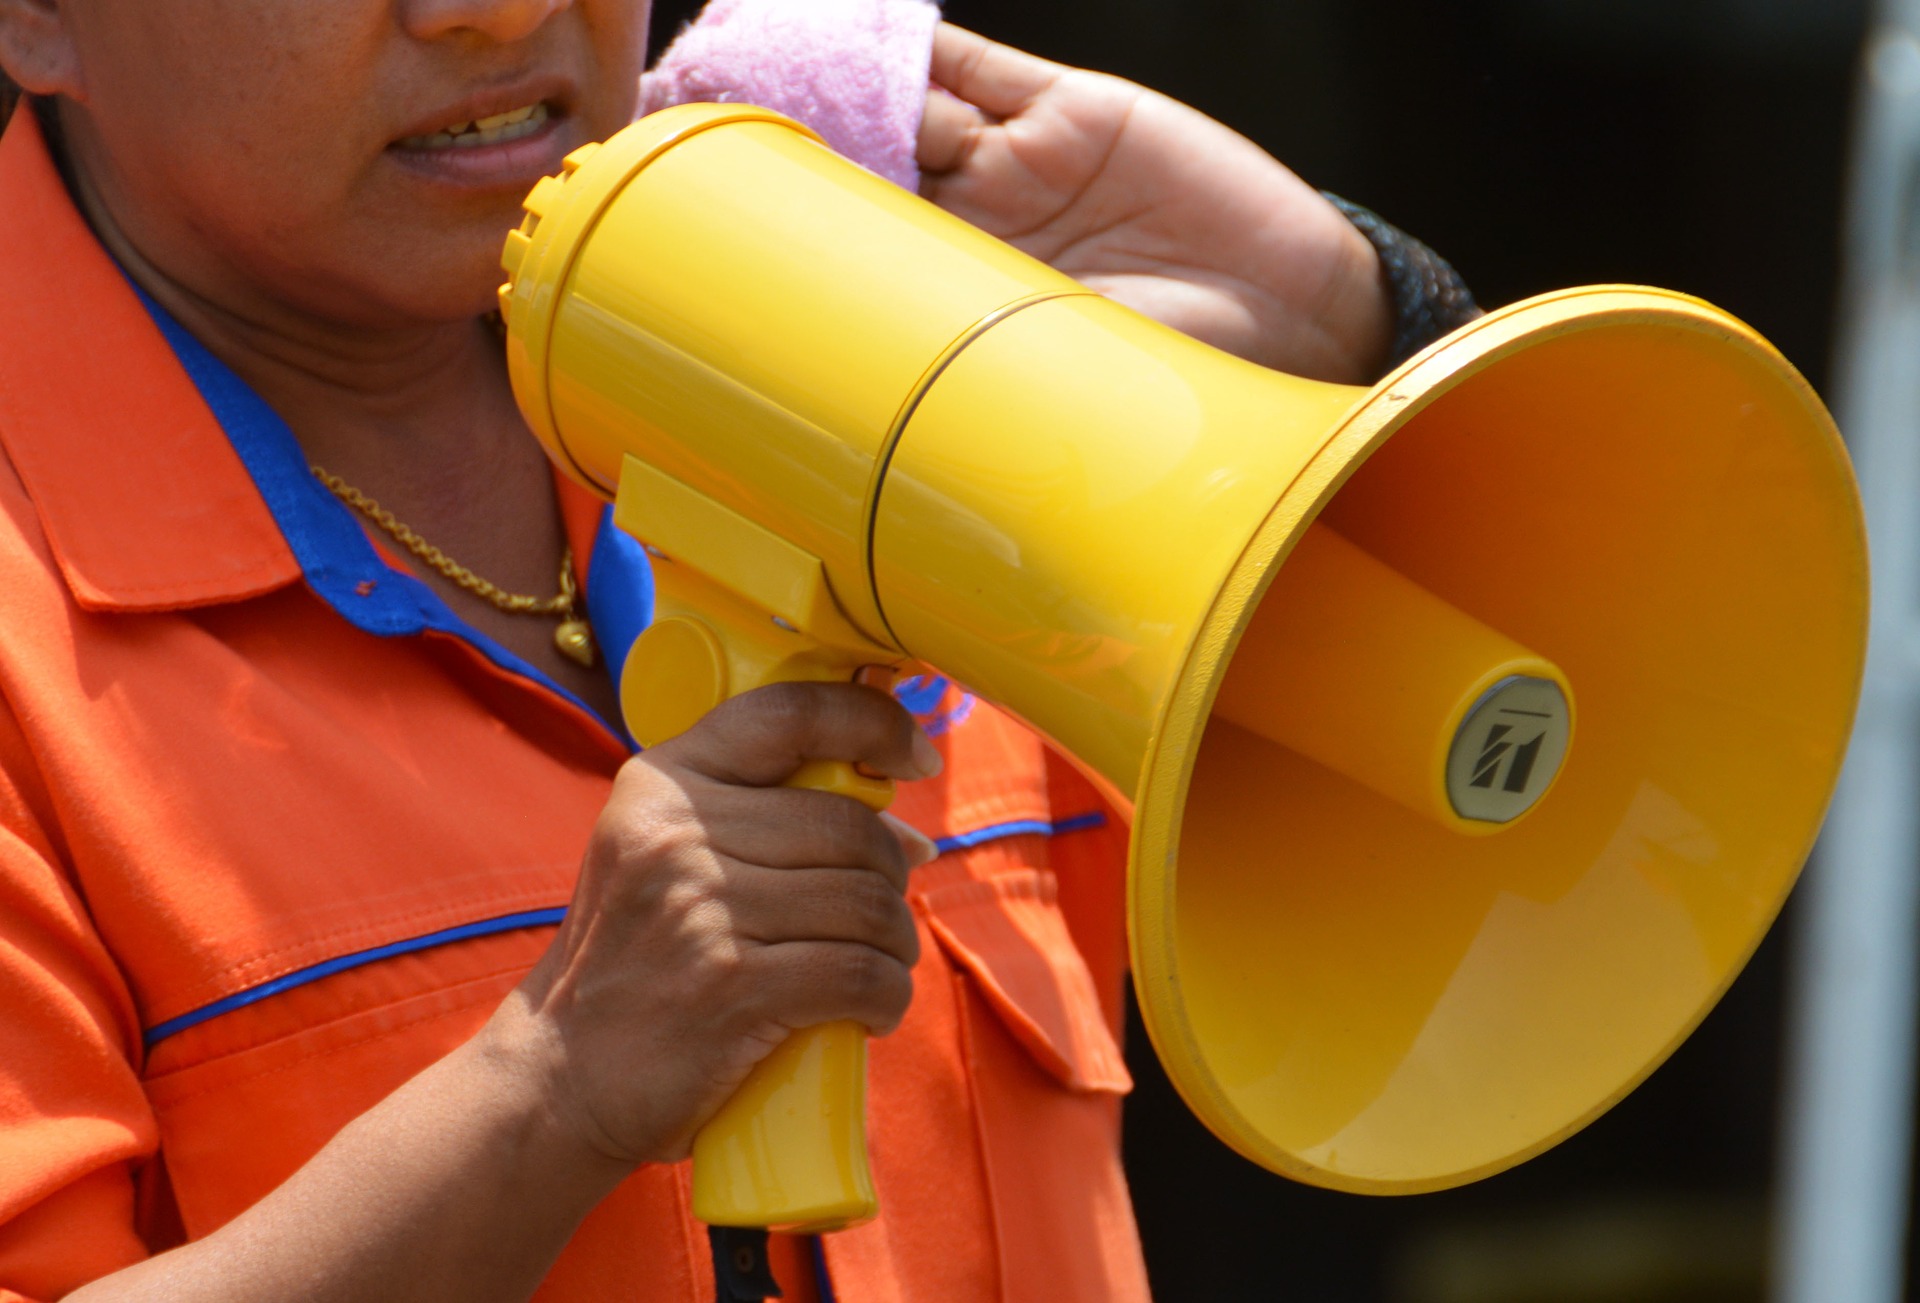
{"x": 1430, "y": 300}
{"x": 876, "y": 485}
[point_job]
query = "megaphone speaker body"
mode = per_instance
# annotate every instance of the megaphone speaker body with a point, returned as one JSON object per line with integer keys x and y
{"x": 1474, "y": 725}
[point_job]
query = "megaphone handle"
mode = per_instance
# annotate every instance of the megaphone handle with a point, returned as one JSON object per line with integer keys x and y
{"x": 837, "y": 776}
{"x": 789, "y": 1150}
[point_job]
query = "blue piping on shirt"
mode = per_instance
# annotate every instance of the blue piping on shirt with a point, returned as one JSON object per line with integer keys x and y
{"x": 536, "y": 918}
{"x": 327, "y": 968}
{"x": 1020, "y": 828}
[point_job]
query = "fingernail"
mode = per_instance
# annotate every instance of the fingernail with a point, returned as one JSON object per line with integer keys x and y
{"x": 918, "y": 846}
{"x": 926, "y": 757}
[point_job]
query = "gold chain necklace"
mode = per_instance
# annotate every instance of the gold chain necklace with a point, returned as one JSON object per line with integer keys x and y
{"x": 574, "y": 637}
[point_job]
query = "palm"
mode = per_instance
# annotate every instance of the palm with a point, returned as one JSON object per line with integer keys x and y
{"x": 1153, "y": 204}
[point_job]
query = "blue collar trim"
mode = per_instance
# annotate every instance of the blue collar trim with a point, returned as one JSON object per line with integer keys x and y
{"x": 619, "y": 598}
{"x": 340, "y": 563}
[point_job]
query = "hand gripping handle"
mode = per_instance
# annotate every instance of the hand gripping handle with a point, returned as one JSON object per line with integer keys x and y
{"x": 789, "y": 1150}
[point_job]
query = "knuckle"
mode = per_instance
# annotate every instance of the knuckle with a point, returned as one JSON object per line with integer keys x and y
{"x": 870, "y": 907}
{"x": 892, "y": 995}
{"x": 647, "y": 814}
{"x": 696, "y": 907}
{"x": 871, "y": 975}
{"x": 729, "y": 974}
{"x": 636, "y": 843}
{"x": 846, "y": 825}
{"x": 649, "y": 778}
{"x": 790, "y": 710}
{"x": 656, "y": 863}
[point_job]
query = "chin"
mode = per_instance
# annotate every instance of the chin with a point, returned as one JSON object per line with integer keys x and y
{"x": 440, "y": 290}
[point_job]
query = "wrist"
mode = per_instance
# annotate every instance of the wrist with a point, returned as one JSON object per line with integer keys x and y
{"x": 520, "y": 1060}
{"x": 1424, "y": 296}
{"x": 461, "y": 1184}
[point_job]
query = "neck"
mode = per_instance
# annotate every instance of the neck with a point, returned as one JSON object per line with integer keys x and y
{"x": 418, "y": 416}
{"x": 386, "y": 401}
{"x": 351, "y": 395}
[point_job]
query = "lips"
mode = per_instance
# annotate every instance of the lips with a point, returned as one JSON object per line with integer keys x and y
{"x": 496, "y": 129}
{"x": 485, "y": 108}
{"x": 507, "y": 137}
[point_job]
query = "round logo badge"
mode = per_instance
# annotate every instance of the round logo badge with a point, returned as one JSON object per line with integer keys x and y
{"x": 1508, "y": 750}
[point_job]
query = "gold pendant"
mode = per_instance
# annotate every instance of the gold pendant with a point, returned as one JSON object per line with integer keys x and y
{"x": 574, "y": 638}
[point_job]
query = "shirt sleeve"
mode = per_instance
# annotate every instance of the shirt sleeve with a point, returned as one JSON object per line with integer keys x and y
{"x": 74, "y": 1121}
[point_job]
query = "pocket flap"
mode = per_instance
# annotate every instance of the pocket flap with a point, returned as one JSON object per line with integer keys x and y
{"x": 1008, "y": 933}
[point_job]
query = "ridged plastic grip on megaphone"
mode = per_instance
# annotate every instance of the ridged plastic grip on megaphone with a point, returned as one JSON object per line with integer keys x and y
{"x": 1110, "y": 530}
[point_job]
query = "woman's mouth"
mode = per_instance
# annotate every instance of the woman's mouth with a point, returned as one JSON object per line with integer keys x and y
{"x": 505, "y": 151}
{"x": 498, "y": 129}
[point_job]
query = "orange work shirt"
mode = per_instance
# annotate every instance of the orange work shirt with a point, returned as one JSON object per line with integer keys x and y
{"x": 277, "y": 830}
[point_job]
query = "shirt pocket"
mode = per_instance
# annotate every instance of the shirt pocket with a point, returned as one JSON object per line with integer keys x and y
{"x": 288, "y": 1073}
{"x": 1007, "y": 933}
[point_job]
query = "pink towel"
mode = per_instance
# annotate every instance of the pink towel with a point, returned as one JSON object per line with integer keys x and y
{"x": 853, "y": 70}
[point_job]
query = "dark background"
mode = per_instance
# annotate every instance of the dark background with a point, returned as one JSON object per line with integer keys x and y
{"x": 1695, "y": 144}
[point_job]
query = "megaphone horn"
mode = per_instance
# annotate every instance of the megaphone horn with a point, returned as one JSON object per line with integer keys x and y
{"x": 1475, "y": 725}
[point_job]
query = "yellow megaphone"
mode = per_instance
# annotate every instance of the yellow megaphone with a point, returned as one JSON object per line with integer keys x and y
{"x": 1475, "y": 725}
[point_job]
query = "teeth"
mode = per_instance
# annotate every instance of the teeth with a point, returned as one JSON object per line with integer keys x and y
{"x": 506, "y": 119}
{"x": 492, "y": 130}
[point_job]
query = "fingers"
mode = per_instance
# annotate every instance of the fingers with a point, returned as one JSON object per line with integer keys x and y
{"x": 917, "y": 846}
{"x": 717, "y": 911}
{"x": 760, "y": 738}
{"x": 778, "y": 906}
{"x": 788, "y": 828}
{"x": 949, "y": 131}
{"x": 998, "y": 79}
{"x": 828, "y": 981}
